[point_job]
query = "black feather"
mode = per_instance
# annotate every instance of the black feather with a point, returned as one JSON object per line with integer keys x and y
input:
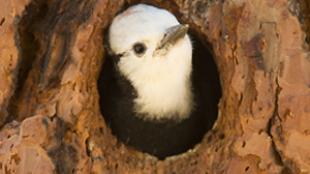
{"x": 160, "y": 138}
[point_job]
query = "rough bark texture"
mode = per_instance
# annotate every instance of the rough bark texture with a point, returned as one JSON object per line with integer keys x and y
{"x": 50, "y": 58}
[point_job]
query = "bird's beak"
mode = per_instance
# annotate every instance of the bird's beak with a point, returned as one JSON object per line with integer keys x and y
{"x": 173, "y": 34}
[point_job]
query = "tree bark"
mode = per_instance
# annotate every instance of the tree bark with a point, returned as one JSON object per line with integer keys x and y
{"x": 50, "y": 59}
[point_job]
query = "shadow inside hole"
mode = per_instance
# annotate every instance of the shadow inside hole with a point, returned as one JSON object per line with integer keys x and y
{"x": 161, "y": 139}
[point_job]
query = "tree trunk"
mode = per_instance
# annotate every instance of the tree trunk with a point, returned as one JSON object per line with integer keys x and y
{"x": 50, "y": 59}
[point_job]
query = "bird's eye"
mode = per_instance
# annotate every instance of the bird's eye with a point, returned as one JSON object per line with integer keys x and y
{"x": 139, "y": 48}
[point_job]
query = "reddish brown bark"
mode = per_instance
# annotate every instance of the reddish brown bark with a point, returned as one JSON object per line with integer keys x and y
{"x": 50, "y": 58}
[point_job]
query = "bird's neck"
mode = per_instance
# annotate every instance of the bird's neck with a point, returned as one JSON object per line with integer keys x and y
{"x": 164, "y": 97}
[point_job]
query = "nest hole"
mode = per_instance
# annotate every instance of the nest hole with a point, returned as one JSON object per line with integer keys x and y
{"x": 207, "y": 92}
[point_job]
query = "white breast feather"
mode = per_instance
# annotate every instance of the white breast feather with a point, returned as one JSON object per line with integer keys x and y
{"x": 163, "y": 86}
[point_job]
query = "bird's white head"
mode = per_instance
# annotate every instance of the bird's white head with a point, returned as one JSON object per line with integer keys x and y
{"x": 155, "y": 55}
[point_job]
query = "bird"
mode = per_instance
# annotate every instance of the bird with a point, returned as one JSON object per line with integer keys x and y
{"x": 149, "y": 100}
